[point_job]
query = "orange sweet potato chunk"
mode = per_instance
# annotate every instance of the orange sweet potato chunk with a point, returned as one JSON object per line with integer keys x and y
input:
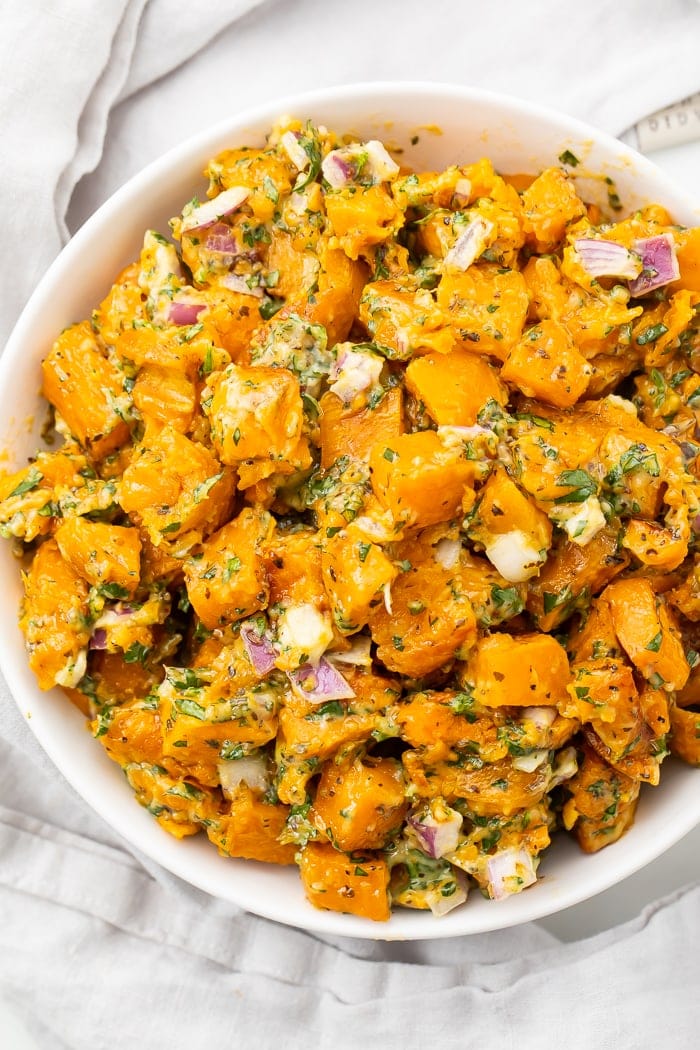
{"x": 361, "y": 804}
{"x": 256, "y": 415}
{"x": 251, "y": 829}
{"x": 602, "y": 804}
{"x": 362, "y": 218}
{"x": 356, "y": 433}
{"x": 647, "y": 632}
{"x": 522, "y": 671}
{"x": 165, "y": 395}
{"x": 101, "y": 553}
{"x": 505, "y": 508}
{"x": 545, "y": 364}
{"x": 480, "y": 785}
{"x": 550, "y": 203}
{"x": 568, "y": 571}
{"x": 54, "y": 618}
{"x": 175, "y": 485}
{"x": 227, "y": 580}
{"x": 356, "y": 886}
{"x": 486, "y": 307}
{"x": 87, "y": 390}
{"x": 420, "y": 480}
{"x": 454, "y": 387}
{"x": 685, "y": 735}
{"x": 431, "y": 614}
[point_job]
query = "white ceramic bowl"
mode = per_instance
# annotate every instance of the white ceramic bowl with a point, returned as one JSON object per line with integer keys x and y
{"x": 453, "y": 124}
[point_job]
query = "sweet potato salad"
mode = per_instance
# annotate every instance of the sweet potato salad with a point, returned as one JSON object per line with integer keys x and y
{"x": 371, "y": 540}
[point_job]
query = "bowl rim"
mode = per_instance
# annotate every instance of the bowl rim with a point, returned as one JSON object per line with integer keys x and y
{"x": 530, "y": 905}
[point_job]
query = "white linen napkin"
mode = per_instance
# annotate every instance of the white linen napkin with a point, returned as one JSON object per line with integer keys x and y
{"x": 99, "y": 948}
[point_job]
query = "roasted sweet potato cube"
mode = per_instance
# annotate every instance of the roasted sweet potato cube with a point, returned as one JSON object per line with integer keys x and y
{"x": 335, "y": 305}
{"x": 176, "y": 485}
{"x": 604, "y": 695}
{"x": 438, "y": 722}
{"x": 356, "y": 885}
{"x": 485, "y": 308}
{"x": 647, "y": 632}
{"x": 602, "y": 804}
{"x": 419, "y": 479}
{"x": 405, "y": 318}
{"x": 356, "y": 433}
{"x": 685, "y": 735}
{"x": 355, "y": 572}
{"x": 54, "y": 618}
{"x": 514, "y": 532}
{"x": 251, "y": 829}
{"x": 132, "y": 733}
{"x": 304, "y": 737}
{"x": 545, "y": 364}
{"x": 180, "y": 806}
{"x": 454, "y": 387}
{"x": 360, "y": 218}
{"x": 656, "y": 545}
{"x": 431, "y": 618}
{"x": 293, "y": 563}
{"x": 256, "y": 415}
{"x": 550, "y": 203}
{"x": 522, "y": 671}
{"x": 359, "y": 805}
{"x": 570, "y": 570}
{"x": 87, "y": 390}
{"x": 198, "y": 723}
{"x": 226, "y": 581}
{"x": 490, "y": 789}
{"x": 101, "y": 553}
{"x": 165, "y": 395}
{"x": 121, "y": 306}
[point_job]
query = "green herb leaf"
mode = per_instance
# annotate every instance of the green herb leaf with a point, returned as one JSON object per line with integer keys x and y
{"x": 113, "y": 590}
{"x": 651, "y": 334}
{"x": 136, "y": 653}
{"x": 567, "y": 157}
{"x": 583, "y": 486}
{"x": 31, "y": 481}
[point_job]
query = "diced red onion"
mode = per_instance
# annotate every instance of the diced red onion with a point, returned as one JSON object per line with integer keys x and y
{"x": 211, "y": 211}
{"x": 359, "y": 655}
{"x": 251, "y": 770}
{"x": 601, "y": 258}
{"x": 381, "y": 163}
{"x": 531, "y": 761}
{"x": 509, "y": 871}
{"x": 99, "y": 639}
{"x": 320, "y": 684}
{"x": 440, "y": 905}
{"x": 259, "y": 649}
{"x": 469, "y": 245}
{"x": 437, "y": 838}
{"x": 239, "y": 284}
{"x": 185, "y": 313}
{"x": 659, "y": 264}
{"x": 336, "y": 171}
{"x": 447, "y": 553}
{"x": 115, "y": 615}
{"x": 541, "y": 716}
{"x": 220, "y": 239}
{"x": 296, "y": 153}
{"x": 565, "y": 767}
{"x": 462, "y": 192}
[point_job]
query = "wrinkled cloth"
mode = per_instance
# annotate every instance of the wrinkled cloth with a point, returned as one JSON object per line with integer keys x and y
{"x": 100, "y": 948}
